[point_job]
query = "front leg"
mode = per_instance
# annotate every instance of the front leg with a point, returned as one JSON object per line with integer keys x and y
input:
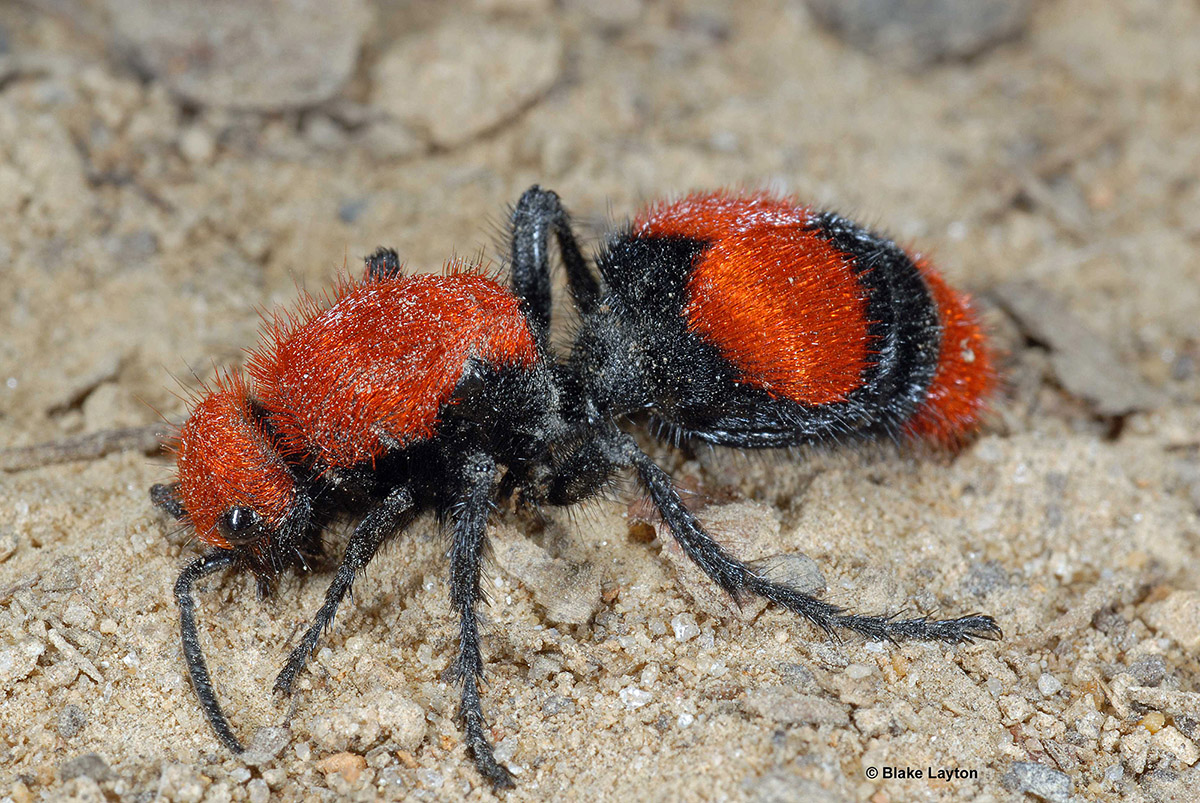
{"x": 393, "y": 514}
{"x": 466, "y": 556}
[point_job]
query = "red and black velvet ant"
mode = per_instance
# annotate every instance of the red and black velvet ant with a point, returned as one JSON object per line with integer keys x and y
{"x": 740, "y": 320}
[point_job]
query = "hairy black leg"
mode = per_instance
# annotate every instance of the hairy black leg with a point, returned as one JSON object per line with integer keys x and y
{"x": 193, "y": 655}
{"x": 737, "y": 579}
{"x": 383, "y": 264}
{"x": 466, "y": 556}
{"x": 393, "y": 514}
{"x": 166, "y": 497}
{"x": 582, "y": 472}
{"x": 538, "y": 213}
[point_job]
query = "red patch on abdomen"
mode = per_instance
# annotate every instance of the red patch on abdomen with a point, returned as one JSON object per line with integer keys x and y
{"x": 779, "y": 302}
{"x": 965, "y": 378}
{"x": 346, "y": 379}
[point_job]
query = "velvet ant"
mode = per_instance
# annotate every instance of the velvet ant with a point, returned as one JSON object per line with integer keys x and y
{"x": 741, "y": 320}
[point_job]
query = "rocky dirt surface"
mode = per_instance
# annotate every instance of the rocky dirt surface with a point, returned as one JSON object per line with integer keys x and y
{"x": 166, "y": 173}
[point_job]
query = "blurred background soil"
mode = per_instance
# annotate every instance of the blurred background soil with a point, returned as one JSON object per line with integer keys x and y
{"x": 170, "y": 168}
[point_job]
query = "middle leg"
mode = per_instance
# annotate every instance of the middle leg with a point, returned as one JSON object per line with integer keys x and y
{"x": 538, "y": 213}
{"x": 466, "y": 559}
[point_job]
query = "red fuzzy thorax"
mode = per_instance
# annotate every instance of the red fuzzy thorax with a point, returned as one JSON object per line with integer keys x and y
{"x": 345, "y": 380}
{"x": 224, "y": 459}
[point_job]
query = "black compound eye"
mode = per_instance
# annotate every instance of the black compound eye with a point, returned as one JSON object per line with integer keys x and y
{"x": 239, "y": 524}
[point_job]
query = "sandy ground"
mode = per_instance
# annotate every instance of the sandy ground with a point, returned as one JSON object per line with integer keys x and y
{"x": 159, "y": 181}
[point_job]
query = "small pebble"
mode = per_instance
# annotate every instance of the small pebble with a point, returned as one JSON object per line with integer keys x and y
{"x": 89, "y": 765}
{"x": 858, "y": 671}
{"x": 267, "y": 743}
{"x": 257, "y": 790}
{"x": 71, "y": 720}
{"x": 401, "y": 719}
{"x": 1178, "y": 618}
{"x": 265, "y": 56}
{"x": 220, "y": 792}
{"x": 558, "y": 704}
{"x": 1049, "y": 685}
{"x": 348, "y": 765}
{"x": 634, "y": 698}
{"x": 1083, "y": 361}
{"x": 1154, "y": 721}
{"x": 380, "y": 757}
{"x": 63, "y": 575}
{"x": 506, "y": 748}
{"x": 430, "y": 778}
{"x": 1088, "y": 726}
{"x": 275, "y": 777}
{"x": 181, "y": 783}
{"x": 1015, "y": 709}
{"x": 685, "y": 627}
{"x": 19, "y": 659}
{"x": 1035, "y": 779}
{"x": 1135, "y": 750}
{"x": 197, "y": 146}
{"x": 570, "y": 592}
{"x": 919, "y": 32}
{"x": 1170, "y": 740}
{"x": 391, "y": 780}
{"x": 464, "y": 78}
{"x": 1149, "y": 670}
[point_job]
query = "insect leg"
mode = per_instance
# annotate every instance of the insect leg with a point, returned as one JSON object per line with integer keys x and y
{"x": 383, "y": 264}
{"x": 393, "y": 514}
{"x": 166, "y": 497}
{"x": 466, "y": 556}
{"x": 737, "y": 578}
{"x": 538, "y": 213}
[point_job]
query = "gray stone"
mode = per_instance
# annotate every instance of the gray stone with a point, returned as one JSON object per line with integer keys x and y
{"x": 88, "y": 765}
{"x": 71, "y": 720}
{"x": 920, "y": 32}
{"x": 1083, "y": 361}
{"x": 465, "y": 79}
{"x": 262, "y": 55}
{"x": 1035, "y": 779}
